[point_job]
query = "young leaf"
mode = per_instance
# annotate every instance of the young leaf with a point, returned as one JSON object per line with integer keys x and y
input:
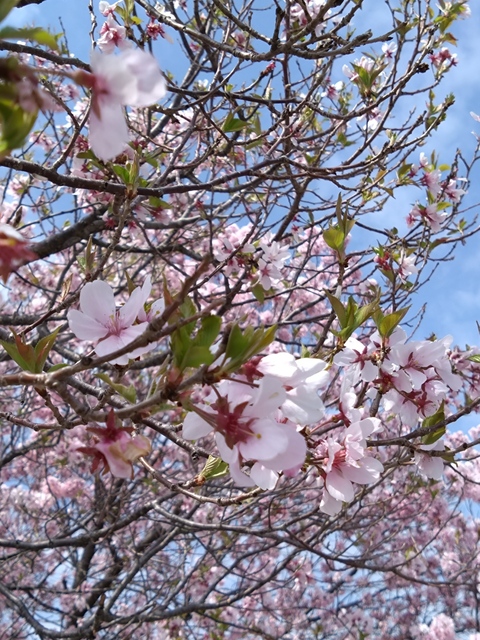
{"x": 233, "y": 124}
{"x": 43, "y": 348}
{"x": 129, "y": 393}
{"x": 338, "y": 308}
{"x": 386, "y": 325}
{"x": 214, "y": 468}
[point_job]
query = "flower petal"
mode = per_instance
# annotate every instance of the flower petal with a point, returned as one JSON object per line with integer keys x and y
{"x": 128, "y": 313}
{"x": 85, "y": 327}
{"x": 151, "y": 85}
{"x": 108, "y": 131}
{"x": 263, "y": 477}
{"x": 267, "y": 441}
{"x": 98, "y": 302}
{"x": 195, "y": 427}
{"x": 339, "y": 487}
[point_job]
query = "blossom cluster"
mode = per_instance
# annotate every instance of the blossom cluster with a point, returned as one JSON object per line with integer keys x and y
{"x": 258, "y": 416}
{"x": 433, "y": 214}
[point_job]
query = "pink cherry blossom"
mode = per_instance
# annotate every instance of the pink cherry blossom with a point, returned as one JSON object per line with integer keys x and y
{"x": 430, "y": 466}
{"x": 115, "y": 448}
{"x": 360, "y": 355}
{"x": 347, "y": 463}
{"x": 242, "y": 418}
{"x": 406, "y": 266}
{"x": 100, "y": 320}
{"x": 130, "y": 78}
{"x": 302, "y": 378}
{"x": 107, "y": 9}
{"x": 14, "y": 251}
{"x": 112, "y": 35}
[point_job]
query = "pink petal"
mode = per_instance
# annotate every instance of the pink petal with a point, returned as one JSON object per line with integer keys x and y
{"x": 128, "y": 313}
{"x": 263, "y": 477}
{"x": 98, "y": 302}
{"x": 294, "y": 454}
{"x": 151, "y": 85}
{"x": 278, "y": 364}
{"x": 268, "y": 441}
{"x": 368, "y": 471}
{"x": 339, "y": 487}
{"x": 115, "y": 342}
{"x": 228, "y": 454}
{"x": 84, "y": 327}
{"x": 195, "y": 427}
{"x": 108, "y": 134}
{"x": 270, "y": 395}
{"x": 119, "y": 467}
{"x": 241, "y": 479}
{"x": 330, "y": 505}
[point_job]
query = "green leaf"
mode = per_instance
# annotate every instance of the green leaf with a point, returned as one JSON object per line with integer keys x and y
{"x": 196, "y": 356}
{"x": 362, "y": 314}
{"x": 214, "y": 468}
{"x": 431, "y": 421}
{"x": 180, "y": 344}
{"x": 233, "y": 124}
{"x": 474, "y": 358}
{"x": 12, "y": 350}
{"x": 334, "y": 238}
{"x": 5, "y": 7}
{"x": 57, "y": 367}
{"x": 338, "y": 308}
{"x": 386, "y": 325}
{"x": 237, "y": 343}
{"x": 122, "y": 172}
{"x": 259, "y": 293}
{"x": 242, "y": 346}
{"x": 43, "y": 348}
{"x": 37, "y": 34}
{"x": 16, "y": 124}
{"x": 129, "y": 393}
{"x": 209, "y": 331}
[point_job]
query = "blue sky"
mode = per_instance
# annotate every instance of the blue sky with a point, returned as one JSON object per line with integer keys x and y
{"x": 453, "y": 294}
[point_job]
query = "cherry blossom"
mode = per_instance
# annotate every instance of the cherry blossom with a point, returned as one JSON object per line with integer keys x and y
{"x": 302, "y": 378}
{"x": 98, "y": 319}
{"x": 130, "y": 78}
{"x": 245, "y": 429}
{"x": 429, "y": 214}
{"x": 345, "y": 464}
{"x": 406, "y": 266}
{"x": 430, "y": 466}
{"x": 14, "y": 251}
{"x": 112, "y": 35}
{"x": 115, "y": 448}
{"x": 107, "y": 9}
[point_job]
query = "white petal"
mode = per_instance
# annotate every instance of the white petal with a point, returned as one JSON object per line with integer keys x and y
{"x": 368, "y": 471}
{"x": 330, "y": 505}
{"x": 281, "y": 365}
{"x": 151, "y": 85}
{"x": 294, "y": 454}
{"x": 241, "y": 479}
{"x": 269, "y": 396}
